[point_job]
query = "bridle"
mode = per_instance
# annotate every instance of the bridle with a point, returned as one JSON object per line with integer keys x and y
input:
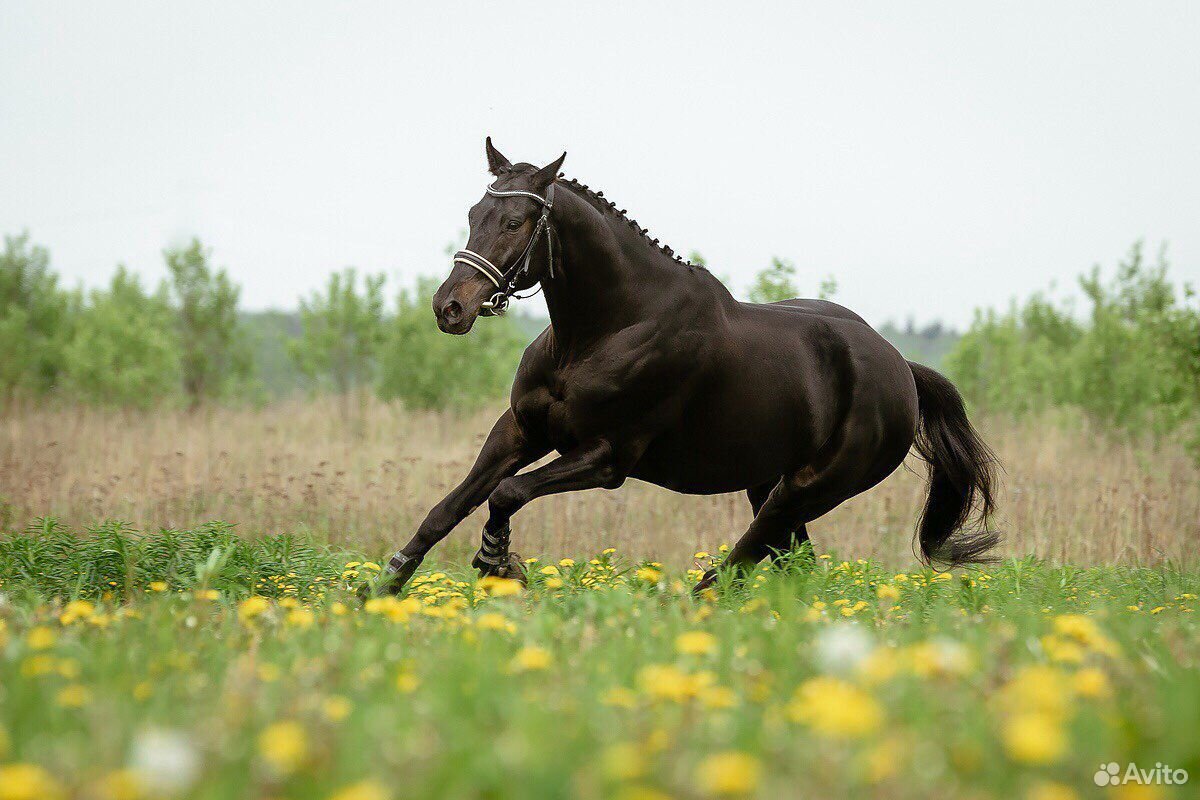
{"x": 505, "y": 281}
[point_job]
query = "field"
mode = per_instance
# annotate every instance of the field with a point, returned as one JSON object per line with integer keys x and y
{"x": 216, "y": 660}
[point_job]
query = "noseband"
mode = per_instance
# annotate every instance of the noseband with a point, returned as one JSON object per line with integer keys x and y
{"x": 505, "y": 281}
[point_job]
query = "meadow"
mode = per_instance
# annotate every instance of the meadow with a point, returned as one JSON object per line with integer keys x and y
{"x": 216, "y": 660}
{"x": 201, "y": 664}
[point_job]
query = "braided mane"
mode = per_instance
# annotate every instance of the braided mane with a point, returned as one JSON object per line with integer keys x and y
{"x": 604, "y": 205}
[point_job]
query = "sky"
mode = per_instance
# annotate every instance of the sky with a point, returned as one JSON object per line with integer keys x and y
{"x": 932, "y": 157}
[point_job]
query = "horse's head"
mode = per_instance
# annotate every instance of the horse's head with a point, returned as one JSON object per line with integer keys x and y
{"x": 505, "y": 236}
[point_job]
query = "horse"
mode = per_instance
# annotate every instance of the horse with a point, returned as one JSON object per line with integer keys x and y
{"x": 650, "y": 369}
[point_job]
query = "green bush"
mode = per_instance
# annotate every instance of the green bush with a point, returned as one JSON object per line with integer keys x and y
{"x": 1133, "y": 361}
{"x": 125, "y": 348}
{"x": 428, "y": 369}
{"x": 35, "y": 318}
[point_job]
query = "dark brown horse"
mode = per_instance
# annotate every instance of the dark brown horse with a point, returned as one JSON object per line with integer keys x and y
{"x": 650, "y": 369}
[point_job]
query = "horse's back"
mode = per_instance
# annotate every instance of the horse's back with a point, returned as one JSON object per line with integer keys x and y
{"x": 820, "y": 308}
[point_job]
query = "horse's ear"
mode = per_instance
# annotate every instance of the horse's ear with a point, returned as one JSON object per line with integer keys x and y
{"x": 546, "y": 175}
{"x": 497, "y": 163}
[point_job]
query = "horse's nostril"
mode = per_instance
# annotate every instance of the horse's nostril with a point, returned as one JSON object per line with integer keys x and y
{"x": 452, "y": 310}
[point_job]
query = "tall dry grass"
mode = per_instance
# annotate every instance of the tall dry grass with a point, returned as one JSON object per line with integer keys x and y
{"x": 1070, "y": 493}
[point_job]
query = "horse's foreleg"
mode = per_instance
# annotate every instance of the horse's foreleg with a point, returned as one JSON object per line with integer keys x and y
{"x": 587, "y": 467}
{"x": 506, "y": 450}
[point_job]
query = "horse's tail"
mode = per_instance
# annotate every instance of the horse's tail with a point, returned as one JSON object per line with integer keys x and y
{"x": 961, "y": 473}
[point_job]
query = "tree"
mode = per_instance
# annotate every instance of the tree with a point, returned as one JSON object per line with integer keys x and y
{"x": 428, "y": 369}
{"x": 125, "y": 349}
{"x": 34, "y": 319}
{"x": 214, "y": 356}
{"x": 341, "y": 332}
{"x": 776, "y": 282}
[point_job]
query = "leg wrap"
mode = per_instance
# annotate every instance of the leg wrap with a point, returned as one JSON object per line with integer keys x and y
{"x": 493, "y": 549}
{"x": 400, "y": 568}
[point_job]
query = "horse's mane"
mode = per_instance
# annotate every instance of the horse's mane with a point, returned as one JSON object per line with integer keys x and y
{"x": 602, "y": 204}
{"x": 605, "y": 206}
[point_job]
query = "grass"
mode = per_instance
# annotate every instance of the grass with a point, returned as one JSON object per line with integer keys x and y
{"x": 201, "y": 664}
{"x": 1070, "y": 493}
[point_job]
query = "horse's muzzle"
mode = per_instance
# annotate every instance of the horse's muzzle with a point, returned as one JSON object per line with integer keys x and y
{"x": 453, "y": 318}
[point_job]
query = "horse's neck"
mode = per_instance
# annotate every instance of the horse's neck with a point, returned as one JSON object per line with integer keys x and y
{"x": 600, "y": 287}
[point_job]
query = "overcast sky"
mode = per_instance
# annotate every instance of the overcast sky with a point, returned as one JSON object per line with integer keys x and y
{"x": 934, "y": 157}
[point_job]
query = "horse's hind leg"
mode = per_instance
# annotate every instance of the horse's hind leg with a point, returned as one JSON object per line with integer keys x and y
{"x": 797, "y": 499}
{"x": 788, "y": 539}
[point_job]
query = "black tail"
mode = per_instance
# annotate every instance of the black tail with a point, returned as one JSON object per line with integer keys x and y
{"x": 961, "y": 471}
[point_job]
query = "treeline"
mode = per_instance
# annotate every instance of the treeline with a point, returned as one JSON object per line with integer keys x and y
{"x": 186, "y": 341}
{"x": 1131, "y": 359}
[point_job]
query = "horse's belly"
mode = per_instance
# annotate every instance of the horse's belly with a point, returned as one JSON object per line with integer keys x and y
{"x": 696, "y": 465}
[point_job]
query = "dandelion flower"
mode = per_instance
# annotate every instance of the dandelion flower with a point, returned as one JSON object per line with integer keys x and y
{"x": 729, "y": 773}
{"x": 696, "y": 643}
{"x": 252, "y": 607}
{"x": 40, "y": 638}
{"x": 531, "y": 659}
{"x": 73, "y": 696}
{"x": 363, "y": 790}
{"x": 1091, "y": 683}
{"x": 835, "y": 708}
{"x": 336, "y": 708}
{"x": 283, "y": 745}
{"x": 27, "y": 782}
{"x": 1034, "y": 738}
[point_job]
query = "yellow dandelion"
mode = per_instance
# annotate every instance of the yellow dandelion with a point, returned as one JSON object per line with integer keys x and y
{"x": 567, "y": 562}
{"x": 252, "y": 607}
{"x": 1034, "y": 738}
{"x": 363, "y": 790}
{"x": 336, "y": 708}
{"x": 531, "y": 659}
{"x": 407, "y": 683}
{"x": 887, "y": 591}
{"x": 648, "y": 574}
{"x": 500, "y": 587}
{"x": 1049, "y": 790}
{"x": 729, "y": 773}
{"x": 696, "y": 643}
{"x": 283, "y": 745}
{"x": 73, "y": 696}
{"x": 27, "y": 782}
{"x": 835, "y": 708}
{"x": 76, "y": 610}
{"x": 40, "y": 638}
{"x": 1091, "y": 683}
{"x": 158, "y": 586}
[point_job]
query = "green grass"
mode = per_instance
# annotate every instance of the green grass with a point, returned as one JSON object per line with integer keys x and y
{"x": 125, "y": 658}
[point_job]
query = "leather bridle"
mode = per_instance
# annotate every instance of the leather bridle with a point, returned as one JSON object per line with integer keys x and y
{"x": 505, "y": 281}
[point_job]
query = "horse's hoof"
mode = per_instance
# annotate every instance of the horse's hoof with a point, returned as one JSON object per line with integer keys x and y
{"x": 707, "y": 582}
{"x": 513, "y": 568}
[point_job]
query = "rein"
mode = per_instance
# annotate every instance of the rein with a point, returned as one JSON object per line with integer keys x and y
{"x": 505, "y": 281}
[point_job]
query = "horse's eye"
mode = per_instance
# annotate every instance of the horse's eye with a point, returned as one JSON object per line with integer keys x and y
{"x": 513, "y": 224}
